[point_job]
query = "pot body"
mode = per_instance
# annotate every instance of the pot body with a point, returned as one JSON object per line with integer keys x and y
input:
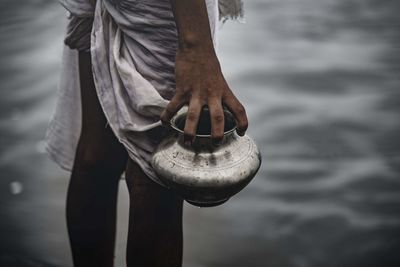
{"x": 203, "y": 174}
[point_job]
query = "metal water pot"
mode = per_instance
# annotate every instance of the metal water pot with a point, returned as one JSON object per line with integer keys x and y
{"x": 203, "y": 174}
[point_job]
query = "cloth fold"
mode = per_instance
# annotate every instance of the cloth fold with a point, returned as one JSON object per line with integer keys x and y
{"x": 231, "y": 9}
{"x": 133, "y": 45}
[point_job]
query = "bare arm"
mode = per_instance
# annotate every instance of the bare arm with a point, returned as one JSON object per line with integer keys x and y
{"x": 199, "y": 80}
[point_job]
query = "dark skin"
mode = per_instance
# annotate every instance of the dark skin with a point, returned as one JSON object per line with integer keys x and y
{"x": 198, "y": 75}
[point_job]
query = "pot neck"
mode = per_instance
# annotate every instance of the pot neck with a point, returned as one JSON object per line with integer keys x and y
{"x": 204, "y": 142}
{"x": 203, "y": 138}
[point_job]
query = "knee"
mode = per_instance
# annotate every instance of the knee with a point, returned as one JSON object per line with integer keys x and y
{"x": 99, "y": 157}
{"x": 148, "y": 195}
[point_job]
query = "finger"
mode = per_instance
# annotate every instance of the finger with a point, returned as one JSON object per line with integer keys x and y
{"x": 239, "y": 112}
{"x": 217, "y": 120}
{"x": 192, "y": 119}
{"x": 173, "y": 106}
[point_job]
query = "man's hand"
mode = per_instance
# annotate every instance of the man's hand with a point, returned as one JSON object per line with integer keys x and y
{"x": 199, "y": 82}
{"x": 198, "y": 76}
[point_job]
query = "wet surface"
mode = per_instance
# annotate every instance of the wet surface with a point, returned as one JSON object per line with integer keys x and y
{"x": 320, "y": 80}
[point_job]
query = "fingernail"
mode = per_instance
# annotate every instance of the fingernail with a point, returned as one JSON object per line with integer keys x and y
{"x": 188, "y": 143}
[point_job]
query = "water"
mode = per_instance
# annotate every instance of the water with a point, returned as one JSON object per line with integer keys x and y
{"x": 320, "y": 80}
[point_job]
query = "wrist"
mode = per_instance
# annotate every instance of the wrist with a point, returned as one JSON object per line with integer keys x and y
{"x": 193, "y": 42}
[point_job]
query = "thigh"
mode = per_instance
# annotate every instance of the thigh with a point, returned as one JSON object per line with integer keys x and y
{"x": 94, "y": 122}
{"x": 98, "y": 147}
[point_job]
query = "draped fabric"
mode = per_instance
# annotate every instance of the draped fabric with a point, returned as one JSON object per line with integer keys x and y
{"x": 230, "y": 9}
{"x": 133, "y": 45}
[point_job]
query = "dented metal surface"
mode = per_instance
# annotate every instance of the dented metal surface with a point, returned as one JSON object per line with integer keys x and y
{"x": 205, "y": 174}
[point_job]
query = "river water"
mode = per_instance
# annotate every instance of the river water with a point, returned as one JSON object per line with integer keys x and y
{"x": 320, "y": 80}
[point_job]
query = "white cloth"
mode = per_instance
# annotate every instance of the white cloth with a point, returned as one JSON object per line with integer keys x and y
{"x": 133, "y": 45}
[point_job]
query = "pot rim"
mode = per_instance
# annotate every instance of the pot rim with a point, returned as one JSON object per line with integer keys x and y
{"x": 183, "y": 112}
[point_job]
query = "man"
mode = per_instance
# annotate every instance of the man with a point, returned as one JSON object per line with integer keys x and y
{"x": 133, "y": 56}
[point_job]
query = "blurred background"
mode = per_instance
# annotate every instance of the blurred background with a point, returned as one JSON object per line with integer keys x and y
{"x": 320, "y": 80}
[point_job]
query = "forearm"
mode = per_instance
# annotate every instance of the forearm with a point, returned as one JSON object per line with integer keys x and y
{"x": 193, "y": 26}
{"x": 198, "y": 75}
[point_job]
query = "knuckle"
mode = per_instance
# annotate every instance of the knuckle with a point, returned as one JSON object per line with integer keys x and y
{"x": 241, "y": 111}
{"x": 179, "y": 95}
{"x": 191, "y": 115}
{"x": 202, "y": 101}
{"x": 185, "y": 94}
{"x": 219, "y": 117}
{"x": 169, "y": 110}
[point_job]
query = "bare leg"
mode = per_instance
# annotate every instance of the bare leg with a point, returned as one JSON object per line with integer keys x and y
{"x": 92, "y": 193}
{"x": 155, "y": 222}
